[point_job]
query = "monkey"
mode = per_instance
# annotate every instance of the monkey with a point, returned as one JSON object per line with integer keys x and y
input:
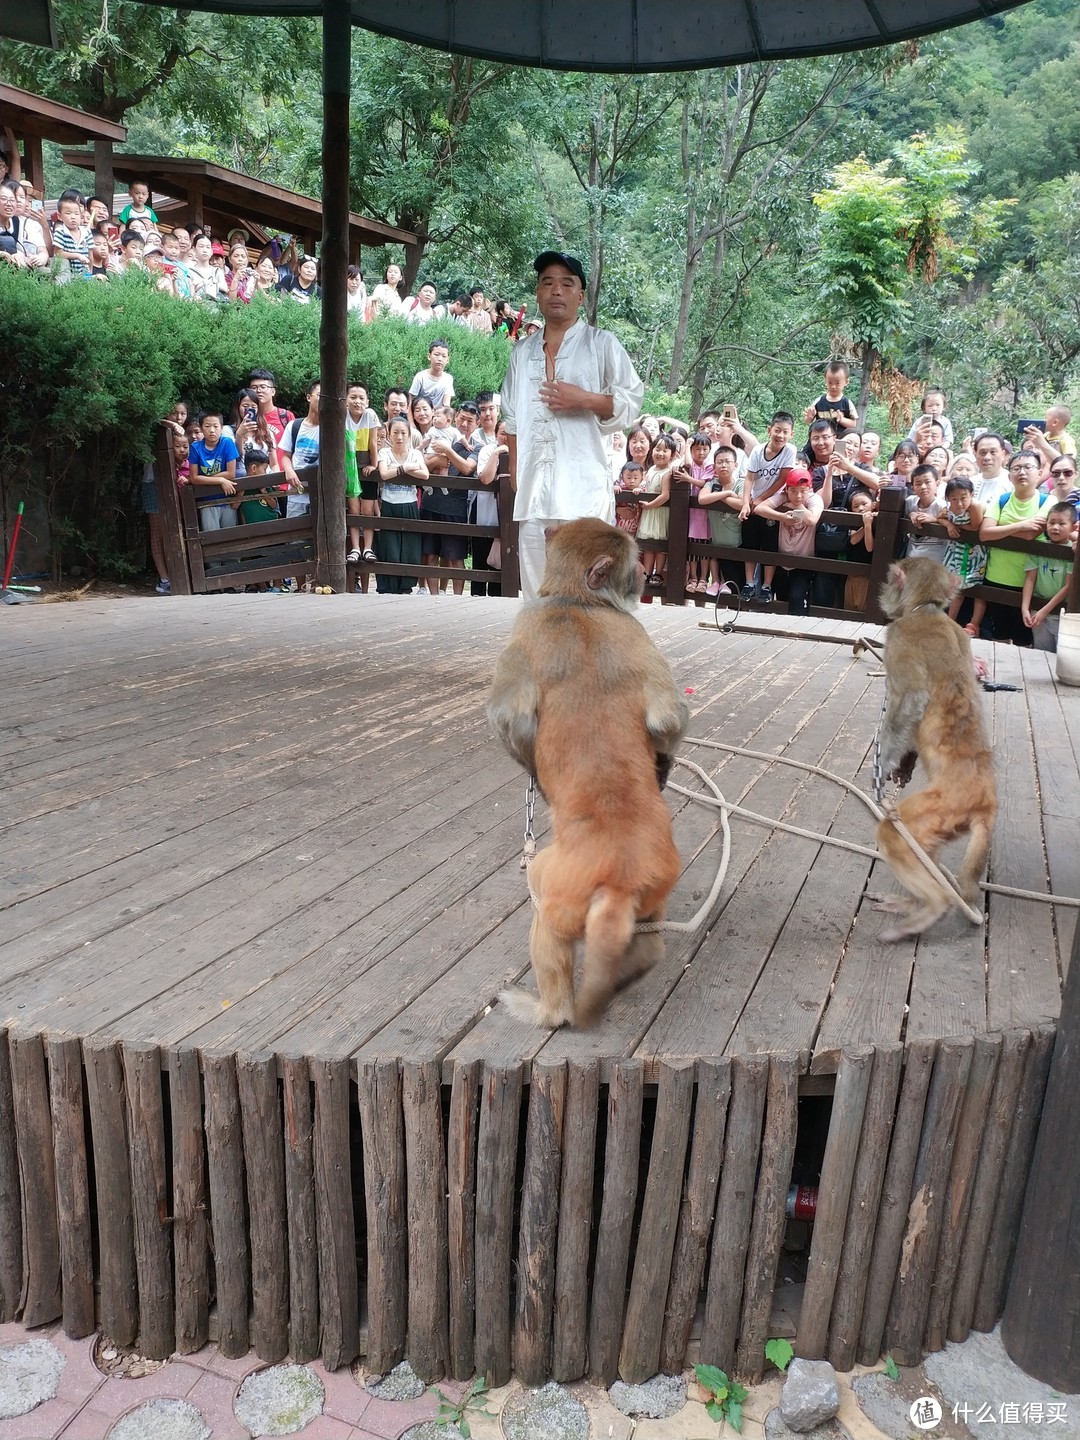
{"x": 584, "y": 701}
{"x": 933, "y": 711}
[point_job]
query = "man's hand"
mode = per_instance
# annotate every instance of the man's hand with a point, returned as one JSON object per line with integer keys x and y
{"x": 563, "y": 398}
{"x": 229, "y": 486}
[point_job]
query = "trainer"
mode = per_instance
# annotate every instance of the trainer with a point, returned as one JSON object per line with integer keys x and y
{"x": 567, "y": 386}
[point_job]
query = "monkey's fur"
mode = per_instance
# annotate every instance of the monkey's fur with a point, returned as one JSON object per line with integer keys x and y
{"x": 586, "y": 703}
{"x": 934, "y": 710}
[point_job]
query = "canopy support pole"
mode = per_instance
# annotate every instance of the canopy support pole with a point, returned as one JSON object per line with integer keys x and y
{"x": 333, "y": 328}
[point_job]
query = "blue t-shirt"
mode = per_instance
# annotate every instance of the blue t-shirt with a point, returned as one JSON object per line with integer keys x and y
{"x": 205, "y": 461}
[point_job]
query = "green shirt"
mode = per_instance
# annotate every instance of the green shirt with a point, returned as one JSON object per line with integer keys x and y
{"x": 1053, "y": 573}
{"x": 1007, "y": 567}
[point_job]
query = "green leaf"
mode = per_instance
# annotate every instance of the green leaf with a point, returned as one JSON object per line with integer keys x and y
{"x": 463, "y": 1426}
{"x": 714, "y": 1411}
{"x": 734, "y": 1415}
{"x": 711, "y": 1377}
{"x": 779, "y": 1353}
{"x": 891, "y": 1368}
{"x": 737, "y": 1392}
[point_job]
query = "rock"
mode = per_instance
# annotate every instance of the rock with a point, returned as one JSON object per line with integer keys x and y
{"x": 400, "y": 1383}
{"x": 810, "y": 1395}
{"x": 279, "y": 1400}
{"x": 550, "y": 1413}
{"x": 29, "y": 1375}
{"x": 657, "y": 1399}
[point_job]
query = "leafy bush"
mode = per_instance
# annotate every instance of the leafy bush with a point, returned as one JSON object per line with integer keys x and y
{"x": 87, "y": 370}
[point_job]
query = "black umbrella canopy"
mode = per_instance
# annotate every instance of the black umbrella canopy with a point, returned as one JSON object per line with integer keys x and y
{"x": 641, "y": 35}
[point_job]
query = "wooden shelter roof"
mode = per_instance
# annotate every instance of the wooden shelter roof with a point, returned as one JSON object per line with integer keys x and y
{"x": 29, "y": 114}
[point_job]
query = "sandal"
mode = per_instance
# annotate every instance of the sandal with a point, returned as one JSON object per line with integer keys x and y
{"x": 353, "y": 557}
{"x": 369, "y": 557}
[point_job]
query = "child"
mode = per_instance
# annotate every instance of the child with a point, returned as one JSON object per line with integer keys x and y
{"x": 257, "y": 505}
{"x": 71, "y": 235}
{"x": 1047, "y": 580}
{"x": 654, "y": 519}
{"x": 723, "y": 496}
{"x": 923, "y": 508}
{"x": 701, "y": 473}
{"x": 299, "y": 449}
{"x": 628, "y": 512}
{"x": 361, "y": 465}
{"x": 1057, "y": 419}
{"x": 401, "y": 470}
{"x": 434, "y": 384}
{"x": 767, "y": 473}
{"x": 904, "y": 459}
{"x": 213, "y": 473}
{"x": 1017, "y": 515}
{"x": 138, "y": 209}
{"x": 798, "y": 513}
{"x": 180, "y": 447}
{"x": 860, "y": 546}
{"x": 834, "y": 404}
{"x": 963, "y": 555}
{"x": 933, "y": 408}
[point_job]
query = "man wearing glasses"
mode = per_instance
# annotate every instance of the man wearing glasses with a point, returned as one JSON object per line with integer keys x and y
{"x": 567, "y": 386}
{"x": 1015, "y": 516}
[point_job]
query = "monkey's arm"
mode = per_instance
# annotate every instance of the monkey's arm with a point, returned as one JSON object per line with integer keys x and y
{"x": 667, "y": 713}
{"x": 903, "y": 714}
{"x": 513, "y": 704}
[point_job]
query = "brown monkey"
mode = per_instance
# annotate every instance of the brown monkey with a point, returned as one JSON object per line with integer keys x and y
{"x": 586, "y": 703}
{"x": 933, "y": 710}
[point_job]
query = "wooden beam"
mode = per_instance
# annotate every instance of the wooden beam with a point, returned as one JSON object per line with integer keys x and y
{"x": 333, "y": 328}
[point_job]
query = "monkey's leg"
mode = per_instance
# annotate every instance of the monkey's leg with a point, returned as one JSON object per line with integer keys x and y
{"x": 931, "y": 898}
{"x": 642, "y": 954}
{"x": 552, "y": 963}
{"x": 974, "y": 862}
{"x": 609, "y": 930}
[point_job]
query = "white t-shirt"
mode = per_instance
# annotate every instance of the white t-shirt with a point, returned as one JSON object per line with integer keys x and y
{"x": 762, "y": 472}
{"x": 305, "y": 449}
{"x": 438, "y": 389}
{"x": 399, "y": 491}
{"x": 990, "y": 488}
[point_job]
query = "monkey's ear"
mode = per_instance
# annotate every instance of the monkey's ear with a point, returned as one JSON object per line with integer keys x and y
{"x": 897, "y": 573}
{"x": 550, "y": 531}
{"x": 598, "y": 575}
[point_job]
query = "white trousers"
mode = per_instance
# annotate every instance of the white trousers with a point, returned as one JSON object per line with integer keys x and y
{"x": 532, "y": 554}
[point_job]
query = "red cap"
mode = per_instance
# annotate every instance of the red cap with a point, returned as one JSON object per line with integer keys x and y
{"x": 217, "y": 248}
{"x": 798, "y": 476}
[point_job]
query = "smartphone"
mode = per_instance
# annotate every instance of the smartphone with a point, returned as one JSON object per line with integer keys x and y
{"x": 1022, "y": 425}
{"x": 729, "y": 412}
{"x": 250, "y": 415}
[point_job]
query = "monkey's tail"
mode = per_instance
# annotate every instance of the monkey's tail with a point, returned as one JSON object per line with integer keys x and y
{"x": 609, "y": 928}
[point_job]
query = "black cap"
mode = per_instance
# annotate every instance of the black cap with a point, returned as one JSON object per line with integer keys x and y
{"x": 558, "y": 257}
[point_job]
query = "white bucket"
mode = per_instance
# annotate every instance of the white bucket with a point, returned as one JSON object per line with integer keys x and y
{"x": 1068, "y": 650}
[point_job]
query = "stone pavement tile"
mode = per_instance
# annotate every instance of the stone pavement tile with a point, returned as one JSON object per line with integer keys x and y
{"x": 325, "y": 1427}
{"x": 345, "y": 1399}
{"x": 390, "y": 1418}
{"x": 691, "y": 1423}
{"x": 202, "y": 1359}
{"x": 88, "y": 1424}
{"x": 238, "y": 1369}
{"x": 763, "y": 1398}
{"x": 44, "y": 1423}
{"x": 81, "y": 1377}
{"x": 214, "y": 1395}
{"x": 171, "y": 1382}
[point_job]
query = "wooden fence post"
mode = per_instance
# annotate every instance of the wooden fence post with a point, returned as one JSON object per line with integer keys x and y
{"x": 508, "y": 534}
{"x": 886, "y": 547}
{"x": 172, "y": 524}
{"x": 678, "y": 527}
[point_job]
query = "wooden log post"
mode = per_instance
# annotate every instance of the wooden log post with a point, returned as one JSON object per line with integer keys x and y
{"x": 850, "y": 1292}
{"x": 895, "y": 1196}
{"x": 118, "y": 1305}
{"x": 834, "y": 1199}
{"x": 910, "y": 1303}
{"x": 677, "y": 544}
{"x": 172, "y": 519}
{"x": 510, "y": 585}
{"x": 539, "y": 1223}
{"x": 425, "y": 1171}
{"x": 496, "y": 1167}
{"x": 770, "y": 1211}
{"x": 639, "y": 1359}
{"x": 264, "y": 1156}
{"x": 734, "y": 1208}
{"x": 696, "y": 1213}
{"x": 339, "y": 1292}
{"x": 72, "y": 1185}
{"x": 228, "y": 1220}
{"x": 11, "y": 1226}
{"x": 41, "y": 1226}
{"x": 150, "y": 1200}
{"x": 886, "y": 547}
{"x": 621, "y": 1155}
{"x": 191, "y": 1243}
{"x": 300, "y": 1211}
{"x": 383, "y": 1131}
{"x": 461, "y": 1216}
{"x": 570, "y": 1340}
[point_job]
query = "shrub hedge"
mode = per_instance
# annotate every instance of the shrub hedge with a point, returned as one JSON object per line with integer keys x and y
{"x": 88, "y": 369}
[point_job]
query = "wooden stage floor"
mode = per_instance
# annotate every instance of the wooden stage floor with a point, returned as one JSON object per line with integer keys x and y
{"x": 274, "y": 824}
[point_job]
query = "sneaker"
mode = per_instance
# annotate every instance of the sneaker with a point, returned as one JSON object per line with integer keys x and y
{"x": 765, "y": 595}
{"x": 163, "y": 587}
{"x": 749, "y": 592}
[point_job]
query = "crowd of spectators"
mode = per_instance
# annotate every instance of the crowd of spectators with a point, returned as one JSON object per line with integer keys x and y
{"x": 82, "y": 240}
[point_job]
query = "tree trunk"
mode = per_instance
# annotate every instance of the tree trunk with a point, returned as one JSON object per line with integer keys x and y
{"x": 869, "y": 355}
{"x": 414, "y": 256}
{"x": 682, "y": 324}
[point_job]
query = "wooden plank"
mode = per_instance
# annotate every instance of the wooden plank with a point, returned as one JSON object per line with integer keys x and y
{"x": 461, "y": 1216}
{"x": 696, "y": 1212}
{"x": 425, "y": 1173}
{"x": 734, "y": 1207}
{"x": 496, "y": 1167}
{"x": 906, "y": 1323}
{"x": 339, "y": 1297}
{"x": 150, "y": 1200}
{"x": 639, "y": 1359}
{"x": 987, "y": 1183}
{"x": 298, "y": 1101}
{"x": 895, "y": 1197}
{"x": 118, "y": 1303}
{"x": 264, "y": 1156}
{"x": 852, "y": 1273}
{"x": 990, "y": 1299}
{"x": 570, "y": 1339}
{"x": 382, "y": 1128}
{"x": 538, "y": 1225}
{"x": 970, "y": 1137}
{"x": 622, "y": 1148}
{"x": 834, "y": 1197}
{"x": 72, "y": 1185}
{"x": 11, "y": 1226}
{"x": 228, "y": 1224}
{"x": 191, "y": 1245}
{"x": 34, "y": 1139}
{"x": 770, "y": 1200}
